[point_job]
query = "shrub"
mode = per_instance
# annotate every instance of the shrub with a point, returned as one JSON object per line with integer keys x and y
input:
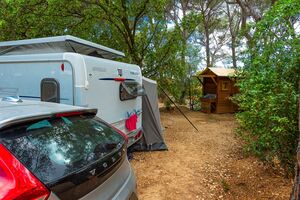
{"x": 268, "y": 87}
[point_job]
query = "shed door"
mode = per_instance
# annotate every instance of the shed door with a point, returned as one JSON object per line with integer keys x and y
{"x": 50, "y": 90}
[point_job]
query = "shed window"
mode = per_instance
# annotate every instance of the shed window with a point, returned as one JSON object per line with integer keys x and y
{"x": 50, "y": 90}
{"x": 225, "y": 85}
{"x": 130, "y": 90}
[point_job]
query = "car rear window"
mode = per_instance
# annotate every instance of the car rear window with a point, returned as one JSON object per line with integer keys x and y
{"x": 52, "y": 149}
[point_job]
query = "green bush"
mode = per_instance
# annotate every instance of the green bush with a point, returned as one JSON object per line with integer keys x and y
{"x": 269, "y": 87}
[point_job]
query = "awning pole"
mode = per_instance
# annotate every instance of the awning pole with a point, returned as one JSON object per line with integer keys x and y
{"x": 178, "y": 108}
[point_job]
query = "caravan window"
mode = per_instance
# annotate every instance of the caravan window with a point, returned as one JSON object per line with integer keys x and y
{"x": 130, "y": 90}
{"x": 50, "y": 90}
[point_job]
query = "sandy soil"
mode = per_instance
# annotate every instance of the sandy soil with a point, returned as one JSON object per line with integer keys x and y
{"x": 208, "y": 164}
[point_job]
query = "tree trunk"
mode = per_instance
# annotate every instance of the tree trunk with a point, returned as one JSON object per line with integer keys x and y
{"x": 233, "y": 51}
{"x": 184, "y": 5}
{"x": 234, "y": 29}
{"x": 207, "y": 48}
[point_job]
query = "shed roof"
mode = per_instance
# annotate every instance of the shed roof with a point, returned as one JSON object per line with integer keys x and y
{"x": 223, "y": 72}
{"x": 58, "y": 44}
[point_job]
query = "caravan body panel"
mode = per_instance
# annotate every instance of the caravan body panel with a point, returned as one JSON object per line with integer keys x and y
{"x": 26, "y": 75}
{"x": 104, "y": 90}
{"x": 84, "y": 81}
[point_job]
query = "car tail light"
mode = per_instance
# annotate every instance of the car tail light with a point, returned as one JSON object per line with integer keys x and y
{"x": 123, "y": 134}
{"x": 17, "y": 182}
{"x": 119, "y": 79}
{"x": 67, "y": 114}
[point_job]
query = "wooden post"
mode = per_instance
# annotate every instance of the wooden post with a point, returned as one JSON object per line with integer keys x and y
{"x": 213, "y": 78}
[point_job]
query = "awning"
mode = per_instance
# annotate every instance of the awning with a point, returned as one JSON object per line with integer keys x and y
{"x": 58, "y": 44}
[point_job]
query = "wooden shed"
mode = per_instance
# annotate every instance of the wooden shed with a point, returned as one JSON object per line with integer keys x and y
{"x": 218, "y": 86}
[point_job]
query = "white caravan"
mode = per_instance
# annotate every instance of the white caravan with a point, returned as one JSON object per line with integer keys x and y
{"x": 69, "y": 70}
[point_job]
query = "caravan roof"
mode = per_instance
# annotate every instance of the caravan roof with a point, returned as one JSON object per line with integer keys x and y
{"x": 58, "y": 44}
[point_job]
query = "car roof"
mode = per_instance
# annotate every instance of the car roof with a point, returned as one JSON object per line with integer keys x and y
{"x": 16, "y": 111}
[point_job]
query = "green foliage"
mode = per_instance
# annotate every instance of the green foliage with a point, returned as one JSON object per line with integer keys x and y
{"x": 269, "y": 87}
{"x": 225, "y": 185}
{"x": 168, "y": 104}
{"x": 138, "y": 28}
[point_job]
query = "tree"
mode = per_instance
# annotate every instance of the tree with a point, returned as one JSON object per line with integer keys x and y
{"x": 234, "y": 21}
{"x": 212, "y": 26}
{"x": 251, "y": 11}
{"x": 268, "y": 86}
{"x": 181, "y": 13}
{"x": 16, "y": 18}
{"x": 140, "y": 29}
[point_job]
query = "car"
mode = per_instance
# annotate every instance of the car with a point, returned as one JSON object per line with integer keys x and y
{"x": 56, "y": 152}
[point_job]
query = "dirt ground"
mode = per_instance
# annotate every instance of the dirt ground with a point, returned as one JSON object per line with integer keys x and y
{"x": 208, "y": 164}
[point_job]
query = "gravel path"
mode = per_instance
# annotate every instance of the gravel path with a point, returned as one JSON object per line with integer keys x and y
{"x": 204, "y": 165}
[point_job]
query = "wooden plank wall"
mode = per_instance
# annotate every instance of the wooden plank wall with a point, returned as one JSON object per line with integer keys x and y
{"x": 224, "y": 104}
{"x": 209, "y": 87}
{"x": 223, "y": 101}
